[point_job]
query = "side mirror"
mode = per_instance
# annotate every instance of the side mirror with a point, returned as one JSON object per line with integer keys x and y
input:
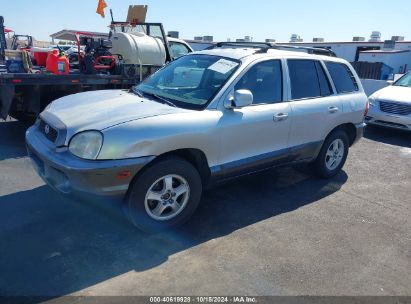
{"x": 241, "y": 99}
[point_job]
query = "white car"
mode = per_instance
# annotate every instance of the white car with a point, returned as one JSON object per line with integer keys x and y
{"x": 391, "y": 106}
{"x": 66, "y": 48}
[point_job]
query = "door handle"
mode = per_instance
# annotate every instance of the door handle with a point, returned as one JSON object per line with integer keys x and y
{"x": 333, "y": 109}
{"x": 280, "y": 116}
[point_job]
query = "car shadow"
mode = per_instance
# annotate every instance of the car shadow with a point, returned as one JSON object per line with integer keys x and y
{"x": 388, "y": 136}
{"x": 53, "y": 246}
{"x": 12, "y": 143}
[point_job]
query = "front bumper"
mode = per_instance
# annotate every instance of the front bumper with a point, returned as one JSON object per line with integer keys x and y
{"x": 71, "y": 175}
{"x": 380, "y": 118}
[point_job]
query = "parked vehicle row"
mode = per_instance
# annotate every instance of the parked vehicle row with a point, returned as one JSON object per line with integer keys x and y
{"x": 204, "y": 118}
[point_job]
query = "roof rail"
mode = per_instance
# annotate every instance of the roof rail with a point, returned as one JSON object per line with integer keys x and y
{"x": 265, "y": 46}
{"x": 255, "y": 45}
{"x": 309, "y": 50}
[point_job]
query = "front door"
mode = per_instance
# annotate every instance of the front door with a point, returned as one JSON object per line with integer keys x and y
{"x": 256, "y": 137}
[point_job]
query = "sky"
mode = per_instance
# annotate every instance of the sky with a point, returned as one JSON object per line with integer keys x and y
{"x": 337, "y": 20}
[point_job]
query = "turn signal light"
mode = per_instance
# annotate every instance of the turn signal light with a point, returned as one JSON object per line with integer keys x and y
{"x": 124, "y": 174}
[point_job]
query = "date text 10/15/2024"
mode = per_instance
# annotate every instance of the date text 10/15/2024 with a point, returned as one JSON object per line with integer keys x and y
{"x": 238, "y": 299}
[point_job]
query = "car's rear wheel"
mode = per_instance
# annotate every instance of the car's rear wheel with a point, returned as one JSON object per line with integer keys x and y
{"x": 165, "y": 195}
{"x": 333, "y": 155}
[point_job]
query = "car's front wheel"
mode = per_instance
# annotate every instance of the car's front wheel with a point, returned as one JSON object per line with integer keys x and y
{"x": 165, "y": 195}
{"x": 333, "y": 155}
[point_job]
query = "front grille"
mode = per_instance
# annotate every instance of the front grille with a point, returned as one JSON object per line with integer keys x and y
{"x": 48, "y": 131}
{"x": 395, "y": 108}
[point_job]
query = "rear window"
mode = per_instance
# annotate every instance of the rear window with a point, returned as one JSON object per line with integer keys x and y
{"x": 342, "y": 77}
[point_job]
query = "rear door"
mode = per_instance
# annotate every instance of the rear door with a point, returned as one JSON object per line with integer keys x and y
{"x": 315, "y": 107}
{"x": 349, "y": 90}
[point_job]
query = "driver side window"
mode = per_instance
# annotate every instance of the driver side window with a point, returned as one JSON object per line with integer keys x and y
{"x": 265, "y": 81}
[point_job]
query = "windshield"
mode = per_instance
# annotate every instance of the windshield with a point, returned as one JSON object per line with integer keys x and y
{"x": 404, "y": 81}
{"x": 190, "y": 81}
{"x": 152, "y": 30}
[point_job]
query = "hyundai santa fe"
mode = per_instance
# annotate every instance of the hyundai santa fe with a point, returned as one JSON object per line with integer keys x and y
{"x": 202, "y": 119}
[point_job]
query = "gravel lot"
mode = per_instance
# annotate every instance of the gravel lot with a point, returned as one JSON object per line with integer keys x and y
{"x": 282, "y": 232}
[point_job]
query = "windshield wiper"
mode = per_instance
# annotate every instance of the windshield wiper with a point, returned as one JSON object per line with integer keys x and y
{"x": 402, "y": 85}
{"x": 161, "y": 99}
{"x": 157, "y": 97}
{"x": 137, "y": 92}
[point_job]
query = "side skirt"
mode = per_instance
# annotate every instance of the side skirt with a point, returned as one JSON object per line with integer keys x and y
{"x": 255, "y": 164}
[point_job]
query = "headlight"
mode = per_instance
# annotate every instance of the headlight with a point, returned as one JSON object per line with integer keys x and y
{"x": 48, "y": 107}
{"x": 373, "y": 102}
{"x": 86, "y": 144}
{"x": 37, "y": 122}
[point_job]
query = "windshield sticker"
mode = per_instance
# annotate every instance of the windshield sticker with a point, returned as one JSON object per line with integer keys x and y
{"x": 223, "y": 66}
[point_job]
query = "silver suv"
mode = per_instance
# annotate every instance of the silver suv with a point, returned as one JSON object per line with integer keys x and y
{"x": 207, "y": 117}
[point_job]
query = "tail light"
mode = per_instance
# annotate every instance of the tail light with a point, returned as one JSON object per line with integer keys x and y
{"x": 367, "y": 108}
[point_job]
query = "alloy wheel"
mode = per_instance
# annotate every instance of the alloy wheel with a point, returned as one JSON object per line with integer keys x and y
{"x": 167, "y": 197}
{"x": 335, "y": 154}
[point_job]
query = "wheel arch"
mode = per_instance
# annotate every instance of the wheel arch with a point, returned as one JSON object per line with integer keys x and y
{"x": 196, "y": 157}
{"x": 349, "y": 129}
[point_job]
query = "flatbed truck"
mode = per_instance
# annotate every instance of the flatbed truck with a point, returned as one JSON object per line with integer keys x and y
{"x": 23, "y": 96}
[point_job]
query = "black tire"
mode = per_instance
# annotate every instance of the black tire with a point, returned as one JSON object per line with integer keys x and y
{"x": 135, "y": 207}
{"x": 87, "y": 65}
{"x": 73, "y": 60}
{"x": 319, "y": 165}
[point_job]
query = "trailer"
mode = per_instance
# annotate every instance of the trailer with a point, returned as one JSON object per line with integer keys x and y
{"x": 23, "y": 96}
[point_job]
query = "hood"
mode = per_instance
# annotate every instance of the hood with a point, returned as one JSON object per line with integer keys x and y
{"x": 98, "y": 110}
{"x": 394, "y": 93}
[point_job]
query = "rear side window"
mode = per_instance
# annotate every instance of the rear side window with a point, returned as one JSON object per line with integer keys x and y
{"x": 308, "y": 79}
{"x": 342, "y": 77}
